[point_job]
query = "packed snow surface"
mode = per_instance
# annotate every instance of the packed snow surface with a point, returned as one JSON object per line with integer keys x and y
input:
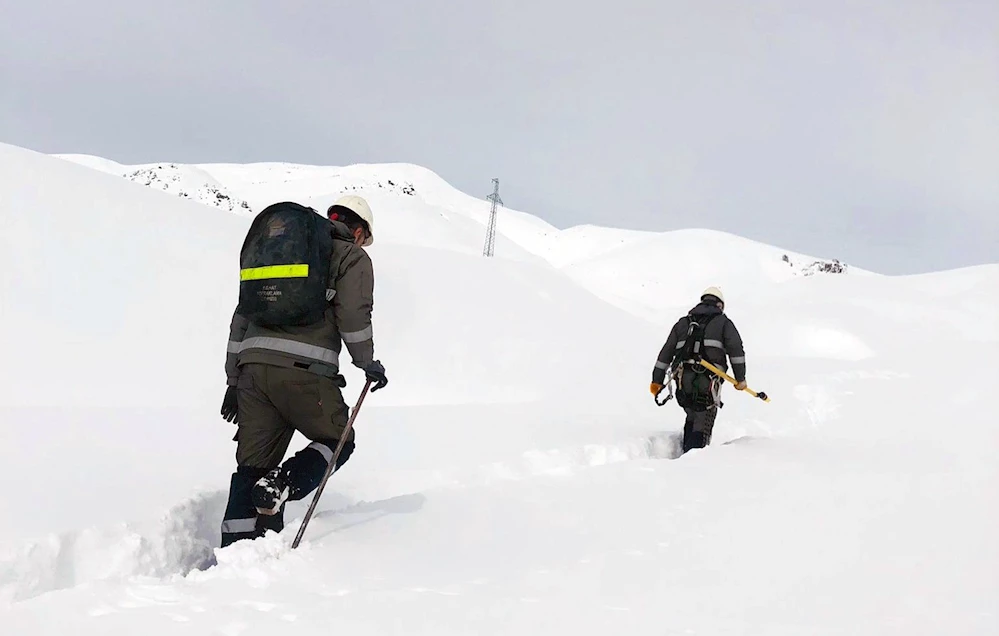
{"x": 515, "y": 477}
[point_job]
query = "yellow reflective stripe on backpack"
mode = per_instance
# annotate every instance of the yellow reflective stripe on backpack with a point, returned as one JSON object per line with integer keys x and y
{"x": 274, "y": 271}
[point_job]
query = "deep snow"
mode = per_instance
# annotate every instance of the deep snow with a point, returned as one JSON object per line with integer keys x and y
{"x": 515, "y": 476}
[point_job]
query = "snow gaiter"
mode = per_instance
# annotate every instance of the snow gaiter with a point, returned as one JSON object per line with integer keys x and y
{"x": 240, "y": 518}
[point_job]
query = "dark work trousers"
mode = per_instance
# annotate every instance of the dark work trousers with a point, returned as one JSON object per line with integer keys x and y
{"x": 274, "y": 402}
{"x": 696, "y": 394}
{"x": 697, "y": 428}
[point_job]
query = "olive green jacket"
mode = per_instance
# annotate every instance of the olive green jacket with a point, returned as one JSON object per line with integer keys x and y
{"x": 316, "y": 347}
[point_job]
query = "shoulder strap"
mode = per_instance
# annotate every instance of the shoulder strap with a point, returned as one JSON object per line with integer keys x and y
{"x": 696, "y": 348}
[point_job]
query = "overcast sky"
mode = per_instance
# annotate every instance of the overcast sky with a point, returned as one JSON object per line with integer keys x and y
{"x": 863, "y": 130}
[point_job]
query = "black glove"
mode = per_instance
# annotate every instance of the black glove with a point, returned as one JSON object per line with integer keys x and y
{"x": 230, "y": 407}
{"x": 376, "y": 373}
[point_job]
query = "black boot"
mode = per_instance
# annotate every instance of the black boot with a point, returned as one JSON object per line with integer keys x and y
{"x": 270, "y": 492}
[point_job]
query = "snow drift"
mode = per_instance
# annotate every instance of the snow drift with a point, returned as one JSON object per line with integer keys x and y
{"x": 512, "y": 477}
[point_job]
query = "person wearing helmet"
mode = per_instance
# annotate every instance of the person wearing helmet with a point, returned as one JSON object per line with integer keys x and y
{"x": 353, "y": 212}
{"x": 287, "y": 379}
{"x": 697, "y": 389}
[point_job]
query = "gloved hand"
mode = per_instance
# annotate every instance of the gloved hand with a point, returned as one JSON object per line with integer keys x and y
{"x": 230, "y": 406}
{"x": 376, "y": 373}
{"x": 655, "y": 388}
{"x": 741, "y": 385}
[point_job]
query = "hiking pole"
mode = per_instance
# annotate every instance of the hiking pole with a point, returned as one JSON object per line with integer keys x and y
{"x": 710, "y": 367}
{"x": 332, "y": 464}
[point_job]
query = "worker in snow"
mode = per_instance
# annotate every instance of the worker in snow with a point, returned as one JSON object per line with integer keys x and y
{"x": 286, "y": 378}
{"x": 705, "y": 331}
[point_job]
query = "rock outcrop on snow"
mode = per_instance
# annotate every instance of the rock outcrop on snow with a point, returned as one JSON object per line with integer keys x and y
{"x": 188, "y": 182}
{"x": 816, "y": 267}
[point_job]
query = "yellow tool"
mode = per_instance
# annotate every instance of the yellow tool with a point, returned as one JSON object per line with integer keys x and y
{"x": 712, "y": 368}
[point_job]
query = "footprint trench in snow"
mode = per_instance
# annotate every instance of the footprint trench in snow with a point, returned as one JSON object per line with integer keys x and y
{"x": 157, "y": 588}
{"x": 182, "y": 542}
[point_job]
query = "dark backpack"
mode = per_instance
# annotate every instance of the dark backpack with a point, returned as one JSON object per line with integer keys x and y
{"x": 284, "y": 266}
{"x": 693, "y": 346}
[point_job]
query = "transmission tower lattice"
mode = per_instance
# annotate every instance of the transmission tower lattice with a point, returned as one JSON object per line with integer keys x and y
{"x": 490, "y": 246}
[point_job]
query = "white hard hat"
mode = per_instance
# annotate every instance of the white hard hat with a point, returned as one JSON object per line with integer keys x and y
{"x": 713, "y": 291}
{"x": 360, "y": 207}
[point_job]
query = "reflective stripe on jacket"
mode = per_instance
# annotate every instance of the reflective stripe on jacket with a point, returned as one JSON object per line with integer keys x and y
{"x": 316, "y": 347}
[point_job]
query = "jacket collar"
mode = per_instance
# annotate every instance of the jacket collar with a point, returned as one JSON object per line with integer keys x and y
{"x": 341, "y": 231}
{"x": 705, "y": 309}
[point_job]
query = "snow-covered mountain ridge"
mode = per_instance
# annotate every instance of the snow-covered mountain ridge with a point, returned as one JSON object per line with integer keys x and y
{"x": 250, "y": 187}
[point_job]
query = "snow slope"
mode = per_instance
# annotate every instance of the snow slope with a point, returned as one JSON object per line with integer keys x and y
{"x": 514, "y": 477}
{"x": 645, "y": 273}
{"x": 130, "y": 292}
